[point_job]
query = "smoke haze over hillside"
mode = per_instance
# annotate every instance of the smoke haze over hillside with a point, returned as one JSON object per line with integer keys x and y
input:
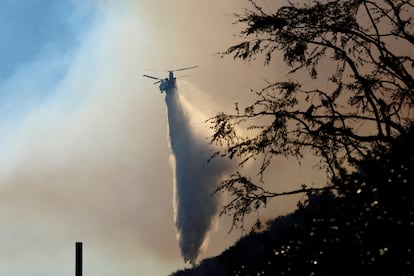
{"x": 83, "y": 135}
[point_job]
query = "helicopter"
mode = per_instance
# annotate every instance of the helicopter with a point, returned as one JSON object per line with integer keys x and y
{"x": 168, "y": 83}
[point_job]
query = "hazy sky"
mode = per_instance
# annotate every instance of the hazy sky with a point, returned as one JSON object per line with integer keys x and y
{"x": 85, "y": 153}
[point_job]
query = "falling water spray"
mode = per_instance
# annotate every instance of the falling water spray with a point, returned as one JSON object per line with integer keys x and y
{"x": 195, "y": 179}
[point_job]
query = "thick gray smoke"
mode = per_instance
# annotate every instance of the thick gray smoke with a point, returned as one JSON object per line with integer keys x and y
{"x": 195, "y": 180}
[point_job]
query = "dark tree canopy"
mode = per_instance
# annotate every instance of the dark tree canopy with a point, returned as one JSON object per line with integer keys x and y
{"x": 365, "y": 229}
{"x": 349, "y": 90}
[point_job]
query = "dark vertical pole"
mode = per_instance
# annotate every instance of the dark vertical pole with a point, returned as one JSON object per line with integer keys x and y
{"x": 78, "y": 259}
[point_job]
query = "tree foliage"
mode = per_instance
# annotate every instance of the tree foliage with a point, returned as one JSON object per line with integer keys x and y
{"x": 357, "y": 94}
{"x": 364, "y": 229}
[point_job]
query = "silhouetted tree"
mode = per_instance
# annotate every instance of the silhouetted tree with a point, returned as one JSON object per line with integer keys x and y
{"x": 364, "y": 228}
{"x": 365, "y": 101}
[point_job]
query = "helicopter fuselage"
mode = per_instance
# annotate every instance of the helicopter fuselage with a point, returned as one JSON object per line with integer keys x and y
{"x": 167, "y": 83}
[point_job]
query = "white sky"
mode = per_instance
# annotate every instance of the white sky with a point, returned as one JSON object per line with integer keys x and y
{"x": 85, "y": 154}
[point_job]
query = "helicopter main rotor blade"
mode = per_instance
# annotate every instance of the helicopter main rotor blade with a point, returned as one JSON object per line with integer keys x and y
{"x": 151, "y": 77}
{"x": 184, "y": 68}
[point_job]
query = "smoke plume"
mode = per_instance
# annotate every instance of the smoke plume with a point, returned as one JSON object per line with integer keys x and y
{"x": 195, "y": 207}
